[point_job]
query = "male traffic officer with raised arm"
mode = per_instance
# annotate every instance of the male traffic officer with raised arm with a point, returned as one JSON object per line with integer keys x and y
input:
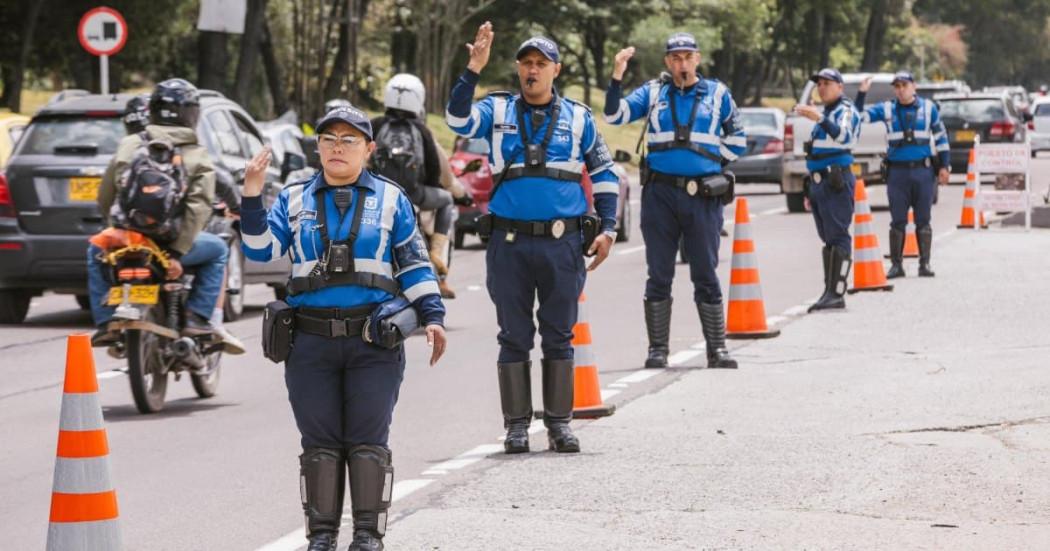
{"x": 540, "y": 145}
{"x": 829, "y": 154}
{"x": 693, "y": 132}
{"x": 918, "y": 158}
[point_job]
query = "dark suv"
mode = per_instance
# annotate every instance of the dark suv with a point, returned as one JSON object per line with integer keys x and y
{"x": 993, "y": 116}
{"x": 48, "y": 193}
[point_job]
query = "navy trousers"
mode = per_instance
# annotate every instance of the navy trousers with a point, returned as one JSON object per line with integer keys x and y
{"x": 668, "y": 215}
{"x": 342, "y": 390}
{"x": 833, "y": 211}
{"x": 530, "y": 268}
{"x": 910, "y": 188}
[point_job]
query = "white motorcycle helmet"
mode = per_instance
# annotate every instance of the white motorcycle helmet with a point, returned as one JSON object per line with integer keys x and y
{"x": 405, "y": 92}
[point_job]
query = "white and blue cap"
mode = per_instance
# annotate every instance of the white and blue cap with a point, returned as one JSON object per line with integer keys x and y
{"x": 682, "y": 42}
{"x": 903, "y": 76}
{"x": 827, "y": 73}
{"x": 541, "y": 44}
{"x": 348, "y": 114}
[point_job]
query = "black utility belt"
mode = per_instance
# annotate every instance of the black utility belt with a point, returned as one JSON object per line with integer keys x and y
{"x": 927, "y": 163}
{"x": 548, "y": 228}
{"x": 713, "y": 185}
{"x": 333, "y": 322}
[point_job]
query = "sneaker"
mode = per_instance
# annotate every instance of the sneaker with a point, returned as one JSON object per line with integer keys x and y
{"x": 105, "y": 337}
{"x": 230, "y": 344}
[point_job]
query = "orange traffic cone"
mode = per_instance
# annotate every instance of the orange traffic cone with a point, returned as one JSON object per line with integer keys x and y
{"x": 83, "y": 502}
{"x": 969, "y": 195}
{"x": 587, "y": 393}
{"x": 911, "y": 243}
{"x": 747, "y": 311}
{"x": 868, "y": 272}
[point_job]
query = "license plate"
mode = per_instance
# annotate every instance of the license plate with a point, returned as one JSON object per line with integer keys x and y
{"x": 855, "y": 169}
{"x": 84, "y": 189}
{"x": 965, "y": 135}
{"x": 137, "y": 294}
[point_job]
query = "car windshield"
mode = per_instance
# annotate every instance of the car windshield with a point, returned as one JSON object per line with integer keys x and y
{"x": 972, "y": 110}
{"x": 763, "y": 122}
{"x": 478, "y": 147}
{"x": 1042, "y": 110}
{"x": 44, "y": 135}
{"x": 880, "y": 91}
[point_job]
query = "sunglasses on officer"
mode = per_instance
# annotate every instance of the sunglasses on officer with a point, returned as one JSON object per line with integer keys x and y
{"x": 329, "y": 141}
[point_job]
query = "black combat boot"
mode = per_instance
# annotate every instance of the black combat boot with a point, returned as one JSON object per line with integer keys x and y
{"x": 896, "y": 254}
{"x": 713, "y": 321}
{"x": 515, "y": 393}
{"x": 658, "y": 324}
{"x": 839, "y": 265}
{"x": 322, "y": 483}
{"x": 557, "y": 405}
{"x": 371, "y": 484}
{"x": 825, "y": 256}
{"x": 924, "y": 236}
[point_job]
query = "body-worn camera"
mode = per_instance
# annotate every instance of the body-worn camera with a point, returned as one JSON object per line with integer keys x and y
{"x": 909, "y": 136}
{"x": 682, "y": 133}
{"x": 340, "y": 261}
{"x": 535, "y": 155}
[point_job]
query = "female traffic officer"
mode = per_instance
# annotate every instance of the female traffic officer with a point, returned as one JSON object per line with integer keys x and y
{"x": 354, "y": 246}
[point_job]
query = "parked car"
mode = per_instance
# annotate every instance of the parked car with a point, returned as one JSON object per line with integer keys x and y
{"x": 867, "y": 153}
{"x": 763, "y": 160}
{"x": 286, "y": 140}
{"x": 1039, "y": 126}
{"x": 11, "y": 127}
{"x": 993, "y": 116}
{"x": 49, "y": 189}
{"x": 930, "y": 89}
{"x": 1017, "y": 93}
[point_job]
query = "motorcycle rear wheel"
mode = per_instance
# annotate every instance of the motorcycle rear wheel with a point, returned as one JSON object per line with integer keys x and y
{"x": 149, "y": 379}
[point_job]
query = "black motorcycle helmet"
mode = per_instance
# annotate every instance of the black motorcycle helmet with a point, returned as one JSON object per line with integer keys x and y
{"x": 337, "y": 102}
{"x": 136, "y": 114}
{"x": 175, "y": 102}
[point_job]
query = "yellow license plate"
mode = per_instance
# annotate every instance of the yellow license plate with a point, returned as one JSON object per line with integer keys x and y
{"x": 84, "y": 189}
{"x": 965, "y": 135}
{"x": 137, "y": 294}
{"x": 855, "y": 169}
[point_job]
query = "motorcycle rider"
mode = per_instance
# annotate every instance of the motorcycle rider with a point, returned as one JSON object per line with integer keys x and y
{"x": 408, "y": 154}
{"x": 174, "y": 108}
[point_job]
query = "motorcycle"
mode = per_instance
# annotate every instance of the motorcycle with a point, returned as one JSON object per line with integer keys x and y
{"x": 150, "y": 314}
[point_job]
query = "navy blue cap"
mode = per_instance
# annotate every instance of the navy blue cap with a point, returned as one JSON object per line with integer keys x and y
{"x": 682, "y": 42}
{"x": 348, "y": 114}
{"x": 541, "y": 44}
{"x": 827, "y": 73}
{"x": 903, "y": 76}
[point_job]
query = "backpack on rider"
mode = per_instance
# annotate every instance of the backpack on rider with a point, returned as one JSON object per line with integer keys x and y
{"x": 399, "y": 156}
{"x": 151, "y": 190}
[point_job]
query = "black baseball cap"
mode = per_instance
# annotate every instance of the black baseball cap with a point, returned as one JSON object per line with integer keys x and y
{"x": 682, "y": 42}
{"x": 827, "y": 73}
{"x": 903, "y": 76}
{"x": 541, "y": 44}
{"x": 348, "y": 114}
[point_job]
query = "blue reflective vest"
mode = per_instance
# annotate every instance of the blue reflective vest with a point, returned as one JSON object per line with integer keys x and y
{"x": 834, "y": 136}
{"x": 716, "y": 129}
{"x": 923, "y": 119}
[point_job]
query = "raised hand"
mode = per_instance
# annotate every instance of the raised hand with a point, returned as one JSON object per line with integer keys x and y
{"x": 620, "y": 63}
{"x": 480, "y": 48}
{"x": 255, "y": 173}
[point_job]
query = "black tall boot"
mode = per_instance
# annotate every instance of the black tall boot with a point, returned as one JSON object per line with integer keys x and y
{"x": 557, "y": 405}
{"x": 371, "y": 484}
{"x": 825, "y": 255}
{"x": 924, "y": 236}
{"x": 515, "y": 394}
{"x": 658, "y": 324}
{"x": 713, "y": 321}
{"x": 896, "y": 254}
{"x": 839, "y": 265}
{"x": 322, "y": 483}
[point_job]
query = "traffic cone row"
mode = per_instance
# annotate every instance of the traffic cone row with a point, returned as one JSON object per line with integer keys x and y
{"x": 83, "y": 502}
{"x": 966, "y": 220}
{"x": 587, "y": 392}
{"x": 747, "y": 310}
{"x": 911, "y": 242}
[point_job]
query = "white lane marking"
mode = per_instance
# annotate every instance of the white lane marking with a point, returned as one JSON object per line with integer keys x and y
{"x": 464, "y": 459}
{"x": 112, "y": 374}
{"x": 773, "y": 320}
{"x": 288, "y": 542}
{"x": 702, "y": 345}
{"x": 638, "y": 377}
{"x": 405, "y": 487}
{"x": 618, "y": 385}
{"x": 682, "y": 357}
{"x": 795, "y": 311}
{"x": 634, "y": 202}
{"x": 608, "y": 393}
{"x": 473, "y": 287}
{"x": 632, "y": 250}
{"x": 768, "y": 212}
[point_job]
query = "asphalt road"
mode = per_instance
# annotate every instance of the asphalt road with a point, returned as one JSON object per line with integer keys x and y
{"x": 223, "y": 472}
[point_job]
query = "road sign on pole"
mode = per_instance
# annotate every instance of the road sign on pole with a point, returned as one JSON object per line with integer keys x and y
{"x": 103, "y": 32}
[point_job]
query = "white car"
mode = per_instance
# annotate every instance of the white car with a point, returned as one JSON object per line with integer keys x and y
{"x": 1039, "y": 126}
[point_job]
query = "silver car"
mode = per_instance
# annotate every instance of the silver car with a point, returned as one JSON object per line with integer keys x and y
{"x": 763, "y": 160}
{"x": 1039, "y": 126}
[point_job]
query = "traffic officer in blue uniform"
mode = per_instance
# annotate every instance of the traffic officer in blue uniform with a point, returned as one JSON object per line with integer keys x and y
{"x": 693, "y": 132}
{"x": 830, "y": 183}
{"x": 540, "y": 145}
{"x": 917, "y": 160}
{"x": 354, "y": 245}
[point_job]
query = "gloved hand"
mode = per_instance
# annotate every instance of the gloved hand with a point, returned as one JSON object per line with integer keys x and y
{"x": 466, "y": 200}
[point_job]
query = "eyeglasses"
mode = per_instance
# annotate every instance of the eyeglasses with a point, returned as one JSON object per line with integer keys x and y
{"x": 329, "y": 141}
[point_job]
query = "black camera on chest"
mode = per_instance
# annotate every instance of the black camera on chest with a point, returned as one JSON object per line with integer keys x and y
{"x": 682, "y": 133}
{"x": 340, "y": 259}
{"x": 535, "y": 154}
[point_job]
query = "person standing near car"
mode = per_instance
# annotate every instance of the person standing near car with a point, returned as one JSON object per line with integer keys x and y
{"x": 830, "y": 183}
{"x": 538, "y": 228}
{"x": 174, "y": 108}
{"x": 356, "y": 253}
{"x": 917, "y": 160}
{"x": 693, "y": 133}
{"x": 407, "y": 153}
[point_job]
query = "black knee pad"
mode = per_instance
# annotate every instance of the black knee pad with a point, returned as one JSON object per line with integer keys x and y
{"x": 322, "y": 483}
{"x": 371, "y": 486}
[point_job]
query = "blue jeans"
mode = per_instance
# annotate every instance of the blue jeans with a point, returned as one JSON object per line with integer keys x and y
{"x": 208, "y": 255}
